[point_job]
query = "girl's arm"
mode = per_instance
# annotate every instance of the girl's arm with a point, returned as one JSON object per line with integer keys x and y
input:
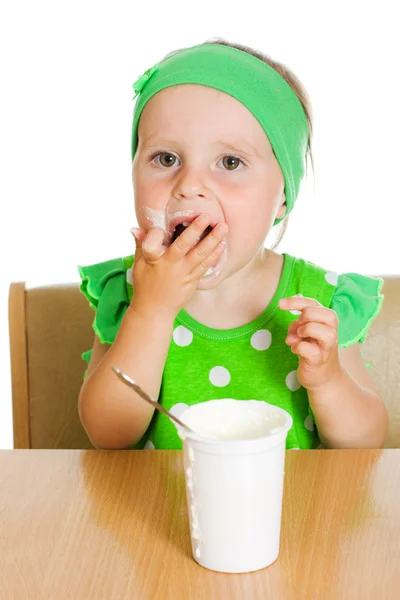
{"x": 347, "y": 408}
{"x": 164, "y": 279}
{"x": 113, "y": 415}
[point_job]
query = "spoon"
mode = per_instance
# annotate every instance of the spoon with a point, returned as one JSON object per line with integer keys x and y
{"x": 129, "y": 381}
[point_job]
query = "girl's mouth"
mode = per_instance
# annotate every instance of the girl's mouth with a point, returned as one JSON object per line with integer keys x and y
{"x": 178, "y": 225}
{"x": 179, "y": 229}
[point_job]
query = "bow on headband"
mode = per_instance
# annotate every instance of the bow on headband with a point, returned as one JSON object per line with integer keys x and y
{"x": 142, "y": 81}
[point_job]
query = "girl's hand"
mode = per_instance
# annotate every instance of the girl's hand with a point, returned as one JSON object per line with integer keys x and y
{"x": 314, "y": 338}
{"x": 164, "y": 278}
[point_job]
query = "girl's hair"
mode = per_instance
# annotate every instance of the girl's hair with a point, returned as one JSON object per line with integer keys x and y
{"x": 296, "y": 86}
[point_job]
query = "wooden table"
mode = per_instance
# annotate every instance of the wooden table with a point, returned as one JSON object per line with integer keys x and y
{"x": 114, "y": 525}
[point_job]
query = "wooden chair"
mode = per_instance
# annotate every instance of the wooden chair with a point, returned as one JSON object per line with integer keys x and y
{"x": 51, "y": 326}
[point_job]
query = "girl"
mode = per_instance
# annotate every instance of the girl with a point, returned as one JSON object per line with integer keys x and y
{"x": 203, "y": 310}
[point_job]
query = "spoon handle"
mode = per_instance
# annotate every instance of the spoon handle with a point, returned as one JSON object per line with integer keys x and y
{"x": 129, "y": 381}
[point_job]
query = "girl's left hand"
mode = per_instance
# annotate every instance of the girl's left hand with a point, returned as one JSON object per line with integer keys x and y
{"x": 314, "y": 338}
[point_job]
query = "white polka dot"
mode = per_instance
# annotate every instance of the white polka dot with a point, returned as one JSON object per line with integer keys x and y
{"x": 296, "y": 312}
{"x": 331, "y": 277}
{"x": 177, "y": 410}
{"x": 261, "y": 340}
{"x": 309, "y": 423}
{"x": 129, "y": 276}
{"x": 149, "y": 445}
{"x": 182, "y": 336}
{"x": 219, "y": 376}
{"x": 292, "y": 382}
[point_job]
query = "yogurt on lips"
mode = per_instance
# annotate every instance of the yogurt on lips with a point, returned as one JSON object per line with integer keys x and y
{"x": 157, "y": 218}
{"x": 167, "y": 222}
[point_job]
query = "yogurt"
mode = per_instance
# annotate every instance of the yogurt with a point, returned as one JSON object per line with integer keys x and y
{"x": 230, "y": 419}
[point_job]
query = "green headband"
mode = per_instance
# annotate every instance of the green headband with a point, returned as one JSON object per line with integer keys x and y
{"x": 251, "y": 81}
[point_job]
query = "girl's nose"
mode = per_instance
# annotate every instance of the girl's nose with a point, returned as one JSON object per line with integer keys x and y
{"x": 191, "y": 185}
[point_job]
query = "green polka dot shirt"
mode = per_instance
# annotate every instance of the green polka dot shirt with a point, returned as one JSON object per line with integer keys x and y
{"x": 251, "y": 362}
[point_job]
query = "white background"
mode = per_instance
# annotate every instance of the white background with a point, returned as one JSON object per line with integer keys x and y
{"x": 66, "y": 106}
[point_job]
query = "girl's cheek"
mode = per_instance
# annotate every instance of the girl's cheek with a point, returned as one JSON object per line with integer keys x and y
{"x": 151, "y": 193}
{"x": 151, "y": 217}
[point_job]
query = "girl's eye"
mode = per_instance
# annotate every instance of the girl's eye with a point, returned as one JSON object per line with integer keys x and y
{"x": 231, "y": 162}
{"x": 166, "y": 159}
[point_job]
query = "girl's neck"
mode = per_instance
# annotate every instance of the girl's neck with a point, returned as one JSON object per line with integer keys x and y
{"x": 240, "y": 298}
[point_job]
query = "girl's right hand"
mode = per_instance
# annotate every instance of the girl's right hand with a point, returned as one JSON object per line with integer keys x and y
{"x": 165, "y": 279}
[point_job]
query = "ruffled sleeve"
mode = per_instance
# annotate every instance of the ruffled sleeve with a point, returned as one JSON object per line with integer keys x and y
{"x": 106, "y": 286}
{"x": 357, "y": 301}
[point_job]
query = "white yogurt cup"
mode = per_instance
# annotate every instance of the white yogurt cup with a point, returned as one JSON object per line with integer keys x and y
{"x": 234, "y": 483}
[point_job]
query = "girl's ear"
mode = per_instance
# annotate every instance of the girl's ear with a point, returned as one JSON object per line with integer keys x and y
{"x": 282, "y": 209}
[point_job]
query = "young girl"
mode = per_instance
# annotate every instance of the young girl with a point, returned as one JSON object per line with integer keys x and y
{"x": 203, "y": 310}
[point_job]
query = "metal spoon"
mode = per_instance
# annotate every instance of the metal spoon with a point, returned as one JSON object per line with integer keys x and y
{"x": 129, "y": 381}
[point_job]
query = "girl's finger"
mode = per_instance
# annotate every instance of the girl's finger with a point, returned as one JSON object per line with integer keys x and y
{"x": 293, "y": 326}
{"x": 308, "y": 351}
{"x": 139, "y": 235}
{"x": 324, "y": 335}
{"x": 208, "y": 262}
{"x": 297, "y": 303}
{"x": 292, "y": 336}
{"x": 152, "y": 246}
{"x": 319, "y": 314}
{"x": 198, "y": 255}
{"x": 189, "y": 238}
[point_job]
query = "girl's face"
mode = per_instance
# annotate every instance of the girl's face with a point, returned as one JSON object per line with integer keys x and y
{"x": 202, "y": 151}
